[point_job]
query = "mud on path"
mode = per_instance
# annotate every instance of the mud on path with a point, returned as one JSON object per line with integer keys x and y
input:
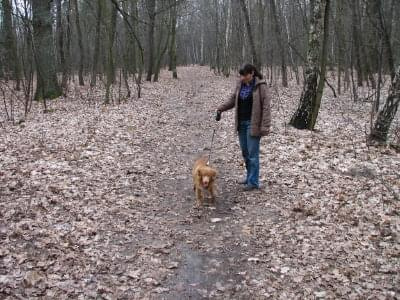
{"x": 97, "y": 202}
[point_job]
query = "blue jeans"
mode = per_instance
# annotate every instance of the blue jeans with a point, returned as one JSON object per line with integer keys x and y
{"x": 250, "y": 146}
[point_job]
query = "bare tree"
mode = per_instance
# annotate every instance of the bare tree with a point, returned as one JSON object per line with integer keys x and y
{"x": 110, "y": 68}
{"x": 306, "y": 114}
{"x": 60, "y": 44}
{"x": 256, "y": 60}
{"x": 47, "y": 85}
{"x": 388, "y": 112}
{"x": 11, "y": 62}
{"x": 151, "y": 10}
{"x": 279, "y": 38}
{"x": 80, "y": 42}
{"x": 172, "y": 45}
{"x": 99, "y": 15}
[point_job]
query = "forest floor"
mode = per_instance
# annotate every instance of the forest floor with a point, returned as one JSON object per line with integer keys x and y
{"x": 97, "y": 201}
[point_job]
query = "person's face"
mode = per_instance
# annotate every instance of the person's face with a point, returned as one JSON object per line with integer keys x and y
{"x": 246, "y": 78}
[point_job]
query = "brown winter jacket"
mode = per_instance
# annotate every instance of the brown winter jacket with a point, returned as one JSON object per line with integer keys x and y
{"x": 261, "y": 110}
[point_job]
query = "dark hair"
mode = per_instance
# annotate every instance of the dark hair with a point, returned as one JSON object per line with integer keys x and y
{"x": 248, "y": 69}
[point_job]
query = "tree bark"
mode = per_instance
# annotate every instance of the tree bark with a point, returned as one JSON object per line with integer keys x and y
{"x": 67, "y": 53}
{"x": 217, "y": 64}
{"x": 356, "y": 40}
{"x": 289, "y": 41}
{"x": 322, "y": 73}
{"x": 97, "y": 42}
{"x": 151, "y": 9}
{"x": 60, "y": 43}
{"x": 47, "y": 86}
{"x": 306, "y": 113}
{"x": 80, "y": 43}
{"x": 172, "y": 45}
{"x": 388, "y": 112}
{"x": 134, "y": 17}
{"x": 260, "y": 32}
{"x": 339, "y": 43}
{"x": 386, "y": 40}
{"x": 12, "y": 64}
{"x": 110, "y": 71}
{"x": 162, "y": 48}
{"x": 226, "y": 66}
{"x": 279, "y": 39}
{"x": 366, "y": 64}
{"x": 256, "y": 60}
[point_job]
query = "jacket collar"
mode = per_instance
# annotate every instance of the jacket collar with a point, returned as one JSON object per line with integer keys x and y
{"x": 257, "y": 82}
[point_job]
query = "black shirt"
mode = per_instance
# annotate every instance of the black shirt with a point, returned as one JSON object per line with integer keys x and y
{"x": 244, "y": 107}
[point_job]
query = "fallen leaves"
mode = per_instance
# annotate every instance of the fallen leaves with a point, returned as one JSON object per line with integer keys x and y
{"x": 97, "y": 202}
{"x": 215, "y": 220}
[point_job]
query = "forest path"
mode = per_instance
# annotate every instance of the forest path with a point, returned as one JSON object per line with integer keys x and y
{"x": 97, "y": 201}
{"x": 210, "y": 252}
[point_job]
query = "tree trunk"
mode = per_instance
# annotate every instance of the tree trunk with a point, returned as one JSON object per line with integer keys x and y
{"x": 226, "y": 66}
{"x": 366, "y": 64}
{"x": 11, "y": 53}
{"x": 47, "y": 86}
{"x": 388, "y": 112}
{"x": 80, "y": 43}
{"x": 279, "y": 39}
{"x": 372, "y": 33}
{"x": 378, "y": 91}
{"x": 305, "y": 116}
{"x": 289, "y": 40}
{"x": 356, "y": 40}
{"x": 134, "y": 17}
{"x": 320, "y": 89}
{"x": 260, "y": 34}
{"x": 256, "y": 60}
{"x": 385, "y": 32}
{"x": 151, "y": 8}
{"x": 202, "y": 62}
{"x": 67, "y": 48}
{"x": 96, "y": 43}
{"x": 161, "y": 49}
{"x": 110, "y": 71}
{"x": 339, "y": 43}
{"x": 60, "y": 43}
{"x": 217, "y": 43}
{"x": 172, "y": 45}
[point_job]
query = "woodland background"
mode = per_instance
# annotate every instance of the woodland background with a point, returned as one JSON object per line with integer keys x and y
{"x": 105, "y": 104}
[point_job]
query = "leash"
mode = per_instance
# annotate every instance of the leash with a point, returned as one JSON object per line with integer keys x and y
{"x": 212, "y": 142}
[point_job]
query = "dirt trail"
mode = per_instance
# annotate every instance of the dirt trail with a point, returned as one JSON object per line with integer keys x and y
{"x": 97, "y": 202}
{"x": 209, "y": 253}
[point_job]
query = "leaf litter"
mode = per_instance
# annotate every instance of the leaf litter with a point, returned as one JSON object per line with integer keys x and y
{"x": 97, "y": 201}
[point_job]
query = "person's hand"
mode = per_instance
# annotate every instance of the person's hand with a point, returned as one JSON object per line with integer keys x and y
{"x": 218, "y": 116}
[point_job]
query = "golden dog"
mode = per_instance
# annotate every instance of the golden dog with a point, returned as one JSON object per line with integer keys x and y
{"x": 203, "y": 179}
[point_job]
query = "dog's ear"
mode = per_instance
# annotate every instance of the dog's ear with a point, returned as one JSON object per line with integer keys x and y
{"x": 214, "y": 173}
{"x": 199, "y": 173}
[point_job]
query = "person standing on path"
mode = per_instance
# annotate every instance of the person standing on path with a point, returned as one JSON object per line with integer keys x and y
{"x": 252, "y": 104}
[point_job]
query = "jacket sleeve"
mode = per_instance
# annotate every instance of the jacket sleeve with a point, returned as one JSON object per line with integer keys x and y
{"x": 266, "y": 111}
{"x": 230, "y": 103}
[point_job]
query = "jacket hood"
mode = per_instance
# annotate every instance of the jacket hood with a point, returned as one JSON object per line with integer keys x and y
{"x": 258, "y": 82}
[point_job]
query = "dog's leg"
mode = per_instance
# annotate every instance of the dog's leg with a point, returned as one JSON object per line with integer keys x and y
{"x": 199, "y": 196}
{"x": 212, "y": 193}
